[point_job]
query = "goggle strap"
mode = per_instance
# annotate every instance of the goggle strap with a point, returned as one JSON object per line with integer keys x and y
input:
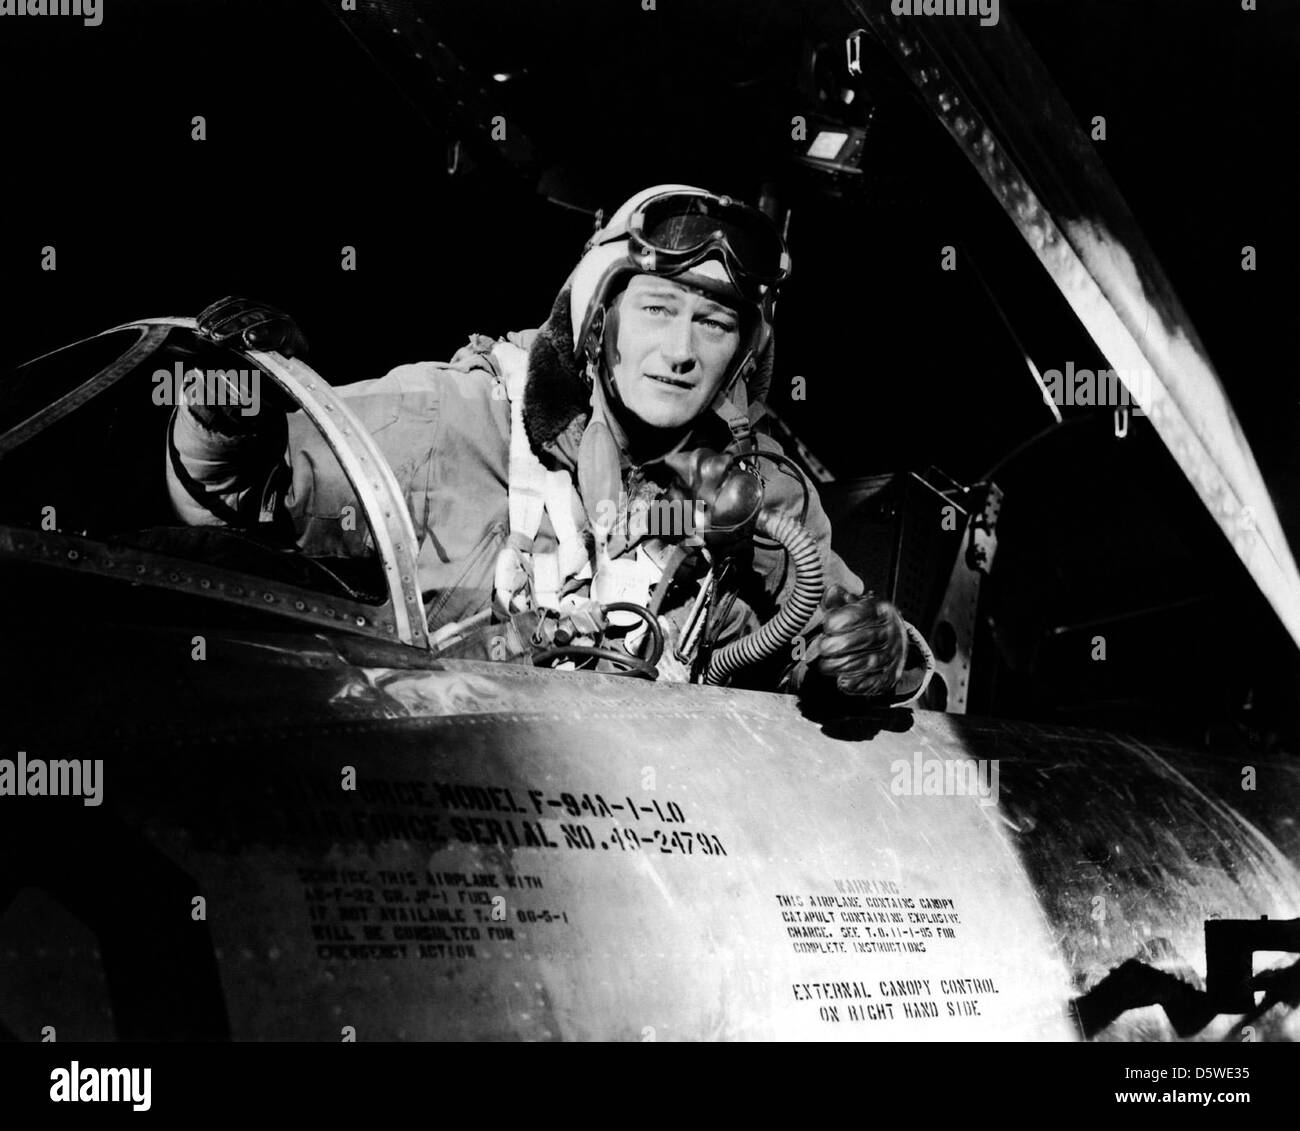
{"x": 672, "y": 262}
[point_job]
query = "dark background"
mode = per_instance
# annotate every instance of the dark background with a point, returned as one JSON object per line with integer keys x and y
{"x": 314, "y": 142}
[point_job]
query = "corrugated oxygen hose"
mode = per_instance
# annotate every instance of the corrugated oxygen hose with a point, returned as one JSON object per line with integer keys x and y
{"x": 809, "y": 585}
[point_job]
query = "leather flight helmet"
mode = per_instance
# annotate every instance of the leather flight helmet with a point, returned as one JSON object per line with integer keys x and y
{"x": 711, "y": 243}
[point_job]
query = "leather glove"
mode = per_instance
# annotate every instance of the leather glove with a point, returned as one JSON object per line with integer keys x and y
{"x": 243, "y": 322}
{"x": 240, "y": 323}
{"x": 863, "y": 648}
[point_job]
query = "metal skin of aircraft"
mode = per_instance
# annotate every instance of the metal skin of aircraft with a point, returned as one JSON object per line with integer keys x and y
{"x": 318, "y": 827}
{"x": 246, "y": 807}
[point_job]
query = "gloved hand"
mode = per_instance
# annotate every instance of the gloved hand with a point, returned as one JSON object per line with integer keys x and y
{"x": 240, "y": 323}
{"x": 863, "y": 648}
{"x": 246, "y": 323}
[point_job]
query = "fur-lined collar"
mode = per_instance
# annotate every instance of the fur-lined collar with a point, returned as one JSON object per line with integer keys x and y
{"x": 557, "y": 397}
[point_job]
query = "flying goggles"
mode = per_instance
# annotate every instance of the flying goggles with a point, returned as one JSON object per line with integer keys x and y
{"x": 676, "y": 230}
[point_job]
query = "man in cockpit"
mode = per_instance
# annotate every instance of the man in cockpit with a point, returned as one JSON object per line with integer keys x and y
{"x": 539, "y": 470}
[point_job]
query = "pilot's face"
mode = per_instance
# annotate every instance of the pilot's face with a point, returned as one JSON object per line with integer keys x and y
{"x": 675, "y": 346}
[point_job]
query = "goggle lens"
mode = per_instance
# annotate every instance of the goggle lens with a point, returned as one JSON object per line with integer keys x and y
{"x": 681, "y": 228}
